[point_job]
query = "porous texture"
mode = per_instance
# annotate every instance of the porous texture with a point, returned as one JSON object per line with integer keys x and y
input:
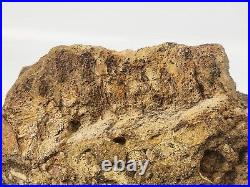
{"x": 172, "y": 104}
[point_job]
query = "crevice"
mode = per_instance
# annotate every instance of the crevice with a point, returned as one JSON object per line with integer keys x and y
{"x": 211, "y": 162}
{"x": 120, "y": 140}
{"x": 74, "y": 125}
{"x": 242, "y": 155}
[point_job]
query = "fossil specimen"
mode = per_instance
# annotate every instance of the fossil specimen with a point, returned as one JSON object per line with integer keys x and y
{"x": 171, "y": 104}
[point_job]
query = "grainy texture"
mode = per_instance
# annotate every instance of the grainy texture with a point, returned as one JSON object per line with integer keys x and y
{"x": 172, "y": 104}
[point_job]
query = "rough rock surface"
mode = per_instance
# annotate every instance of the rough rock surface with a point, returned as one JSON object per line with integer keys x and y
{"x": 174, "y": 105}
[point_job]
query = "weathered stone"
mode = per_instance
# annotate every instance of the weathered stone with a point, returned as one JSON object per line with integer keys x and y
{"x": 171, "y": 104}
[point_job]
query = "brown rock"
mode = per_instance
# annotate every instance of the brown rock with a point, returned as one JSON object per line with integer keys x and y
{"x": 175, "y": 105}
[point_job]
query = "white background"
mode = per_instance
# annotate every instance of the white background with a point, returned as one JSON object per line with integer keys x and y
{"x": 31, "y": 29}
